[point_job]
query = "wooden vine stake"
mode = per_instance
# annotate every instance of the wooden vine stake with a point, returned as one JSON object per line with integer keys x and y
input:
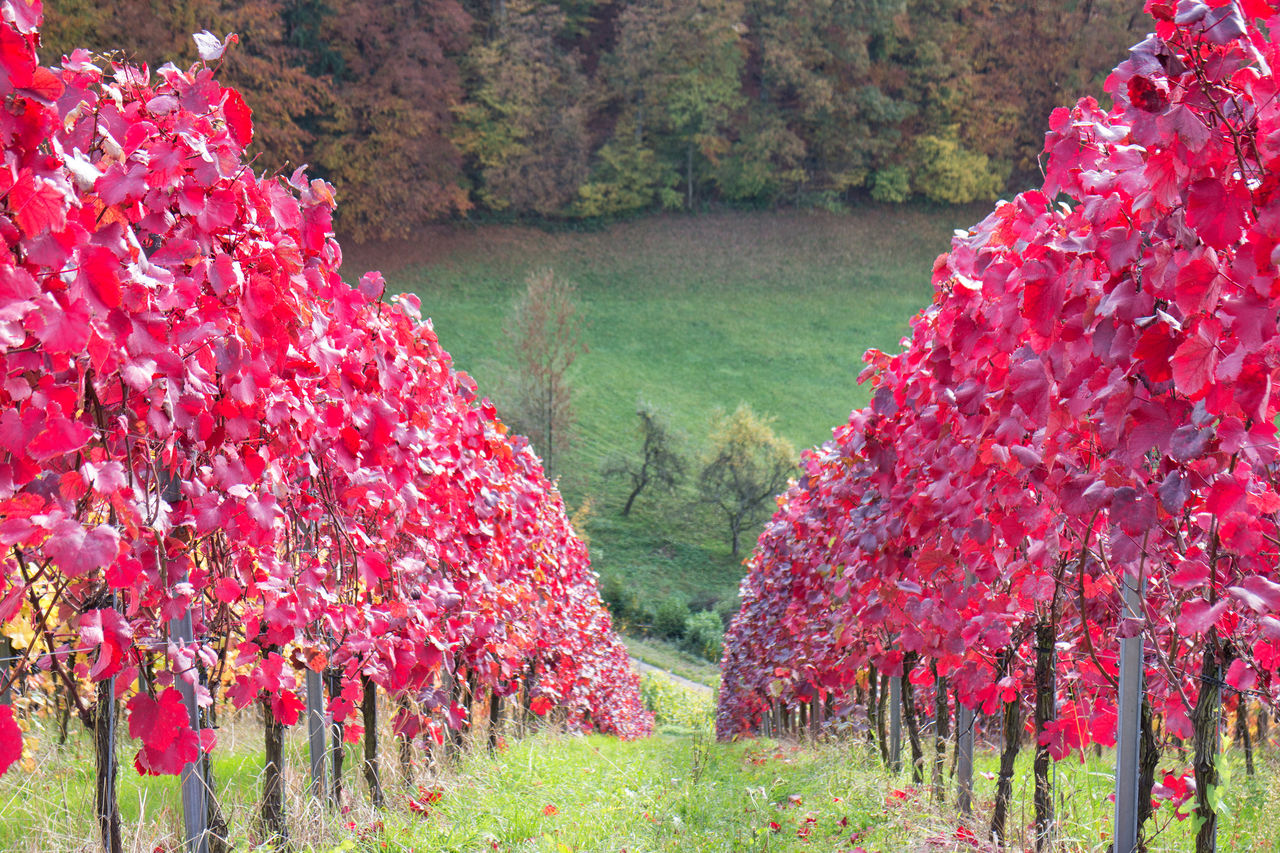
{"x": 369, "y": 714}
{"x": 106, "y": 805}
{"x": 336, "y": 731}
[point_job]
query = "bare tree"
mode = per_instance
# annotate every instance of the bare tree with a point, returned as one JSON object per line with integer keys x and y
{"x": 747, "y": 465}
{"x": 545, "y": 332}
{"x": 658, "y": 463}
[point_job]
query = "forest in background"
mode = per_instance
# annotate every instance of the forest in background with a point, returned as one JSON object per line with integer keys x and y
{"x": 424, "y": 110}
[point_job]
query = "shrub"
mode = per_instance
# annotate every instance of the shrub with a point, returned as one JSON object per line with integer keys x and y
{"x": 670, "y": 617}
{"x": 726, "y": 609}
{"x": 614, "y": 594}
{"x": 891, "y": 184}
{"x": 952, "y": 174}
{"x": 704, "y": 635}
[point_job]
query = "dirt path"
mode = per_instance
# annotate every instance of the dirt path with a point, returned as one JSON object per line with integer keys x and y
{"x": 642, "y": 668}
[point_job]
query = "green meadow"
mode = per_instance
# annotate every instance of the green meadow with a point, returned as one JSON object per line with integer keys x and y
{"x": 694, "y": 314}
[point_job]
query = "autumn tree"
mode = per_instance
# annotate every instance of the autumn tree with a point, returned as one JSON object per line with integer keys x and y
{"x": 820, "y": 121}
{"x": 747, "y": 465}
{"x": 676, "y": 74}
{"x": 364, "y": 97}
{"x": 658, "y": 463}
{"x": 585, "y": 108}
{"x": 545, "y": 329}
{"x": 524, "y": 128}
{"x": 388, "y": 146}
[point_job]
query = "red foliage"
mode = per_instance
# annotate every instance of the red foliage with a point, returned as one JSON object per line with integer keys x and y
{"x": 1089, "y": 397}
{"x": 200, "y": 415}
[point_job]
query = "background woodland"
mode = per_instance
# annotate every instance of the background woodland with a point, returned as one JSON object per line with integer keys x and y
{"x": 582, "y": 109}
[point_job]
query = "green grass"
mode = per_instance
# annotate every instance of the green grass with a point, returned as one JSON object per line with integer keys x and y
{"x": 693, "y": 314}
{"x": 674, "y": 793}
{"x": 47, "y": 803}
{"x": 667, "y": 657}
{"x": 677, "y": 791}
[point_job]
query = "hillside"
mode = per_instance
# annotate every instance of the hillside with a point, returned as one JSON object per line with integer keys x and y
{"x": 692, "y": 313}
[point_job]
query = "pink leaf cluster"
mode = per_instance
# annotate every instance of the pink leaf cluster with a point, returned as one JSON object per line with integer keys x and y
{"x": 1090, "y": 397}
{"x": 198, "y": 415}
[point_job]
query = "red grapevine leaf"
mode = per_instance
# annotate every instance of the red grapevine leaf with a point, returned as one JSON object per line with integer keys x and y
{"x": 168, "y": 762}
{"x": 210, "y": 47}
{"x": 59, "y": 437}
{"x": 102, "y": 270}
{"x": 1188, "y": 442}
{"x": 109, "y": 633}
{"x": 1222, "y": 25}
{"x": 27, "y": 14}
{"x": 17, "y": 59}
{"x": 37, "y": 205}
{"x": 1241, "y": 676}
{"x": 79, "y": 550}
{"x": 1190, "y": 574}
{"x": 239, "y": 117}
{"x": 1193, "y": 365}
{"x": 1134, "y": 512}
{"x": 287, "y": 707}
{"x": 1261, "y": 594}
{"x": 1174, "y": 492}
{"x": 1217, "y": 212}
{"x": 168, "y": 743}
{"x": 10, "y": 739}
{"x": 62, "y": 328}
{"x": 1225, "y": 496}
{"x": 1197, "y": 286}
{"x": 1198, "y": 616}
{"x": 45, "y": 87}
{"x": 226, "y": 590}
{"x": 105, "y": 478}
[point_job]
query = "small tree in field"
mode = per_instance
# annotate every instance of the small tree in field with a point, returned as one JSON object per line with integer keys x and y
{"x": 658, "y": 462}
{"x": 746, "y": 466}
{"x": 545, "y": 331}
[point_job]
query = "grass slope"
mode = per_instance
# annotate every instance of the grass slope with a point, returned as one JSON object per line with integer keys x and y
{"x": 668, "y": 658}
{"x": 693, "y": 314}
{"x": 677, "y": 791}
{"x": 685, "y": 793}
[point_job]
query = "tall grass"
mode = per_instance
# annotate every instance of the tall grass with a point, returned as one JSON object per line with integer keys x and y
{"x": 677, "y": 791}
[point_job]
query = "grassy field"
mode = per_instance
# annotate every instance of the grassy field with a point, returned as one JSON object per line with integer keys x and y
{"x": 678, "y": 791}
{"x": 667, "y": 657}
{"x": 692, "y": 314}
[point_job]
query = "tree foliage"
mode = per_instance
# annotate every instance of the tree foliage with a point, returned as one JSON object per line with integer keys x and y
{"x": 582, "y": 108}
{"x": 544, "y": 330}
{"x": 659, "y": 462}
{"x": 746, "y": 465}
{"x": 524, "y": 126}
